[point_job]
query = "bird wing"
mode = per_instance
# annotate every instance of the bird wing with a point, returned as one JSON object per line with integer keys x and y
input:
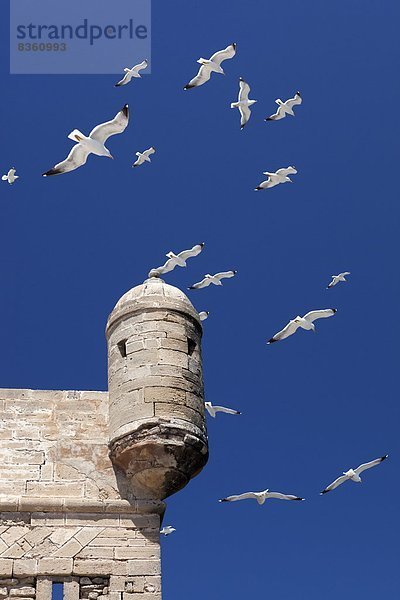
{"x": 76, "y": 158}
{"x": 244, "y": 90}
{"x": 280, "y": 114}
{"x": 333, "y": 282}
{"x": 4, "y": 177}
{"x": 221, "y": 55}
{"x": 168, "y": 266}
{"x": 335, "y": 484}
{"x": 149, "y": 151}
{"x": 244, "y": 496}
{"x": 369, "y": 465}
{"x": 290, "y": 329}
{"x": 126, "y": 79}
{"x": 230, "y": 411}
{"x": 202, "y": 76}
{"x": 313, "y": 315}
{"x": 117, "y": 125}
{"x": 245, "y": 113}
{"x": 185, "y": 254}
{"x": 283, "y": 496}
{"x": 201, "y": 284}
{"x": 287, "y": 171}
{"x": 294, "y": 101}
{"x": 143, "y": 65}
{"x": 225, "y": 274}
{"x": 345, "y": 273}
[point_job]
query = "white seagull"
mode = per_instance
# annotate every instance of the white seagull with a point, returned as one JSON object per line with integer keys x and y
{"x": 130, "y": 73}
{"x": 143, "y": 156}
{"x": 93, "y": 144}
{"x": 176, "y": 260}
{"x": 209, "y": 279}
{"x": 337, "y": 278}
{"x": 261, "y": 497}
{"x": 280, "y": 176}
{"x": 243, "y": 103}
{"x": 11, "y": 176}
{"x": 167, "y": 530}
{"x": 203, "y": 315}
{"x": 353, "y": 474}
{"x": 285, "y": 108}
{"x": 306, "y": 322}
{"x": 212, "y": 410}
{"x": 210, "y": 65}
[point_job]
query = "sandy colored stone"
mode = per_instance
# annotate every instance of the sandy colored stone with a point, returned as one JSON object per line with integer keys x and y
{"x": 55, "y": 566}
{"x": 5, "y": 567}
{"x": 25, "y": 566}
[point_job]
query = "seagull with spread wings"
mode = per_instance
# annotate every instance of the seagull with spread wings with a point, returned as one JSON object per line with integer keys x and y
{"x": 209, "y": 279}
{"x": 213, "y": 410}
{"x": 167, "y": 530}
{"x": 130, "y": 73}
{"x": 280, "y": 176}
{"x": 211, "y": 65}
{"x": 243, "y": 103}
{"x": 11, "y": 176}
{"x": 306, "y": 322}
{"x": 176, "y": 260}
{"x": 143, "y": 156}
{"x": 261, "y": 497}
{"x": 285, "y": 108}
{"x": 354, "y": 474}
{"x": 337, "y": 278}
{"x": 93, "y": 144}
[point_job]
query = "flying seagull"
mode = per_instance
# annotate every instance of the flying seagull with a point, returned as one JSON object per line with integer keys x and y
{"x": 92, "y": 144}
{"x": 203, "y": 315}
{"x": 167, "y": 530}
{"x": 261, "y": 497}
{"x": 212, "y": 410}
{"x": 215, "y": 279}
{"x": 143, "y": 156}
{"x": 285, "y": 108}
{"x": 243, "y": 103}
{"x": 176, "y": 260}
{"x": 11, "y": 176}
{"x": 210, "y": 65}
{"x": 337, "y": 278}
{"x": 130, "y": 73}
{"x": 306, "y": 322}
{"x": 281, "y": 176}
{"x": 353, "y": 474}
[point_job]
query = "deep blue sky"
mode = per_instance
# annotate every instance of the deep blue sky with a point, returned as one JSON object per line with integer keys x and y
{"x": 313, "y": 405}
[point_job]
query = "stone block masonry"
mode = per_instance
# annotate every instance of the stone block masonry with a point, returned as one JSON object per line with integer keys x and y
{"x": 83, "y": 474}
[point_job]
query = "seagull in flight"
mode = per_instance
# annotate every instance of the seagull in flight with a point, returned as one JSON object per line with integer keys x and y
{"x": 280, "y": 176}
{"x": 261, "y": 497}
{"x": 285, "y": 108}
{"x": 306, "y": 322}
{"x": 11, "y": 176}
{"x": 212, "y": 410}
{"x": 243, "y": 103}
{"x": 210, "y": 65}
{"x": 143, "y": 156}
{"x": 353, "y": 474}
{"x": 130, "y": 73}
{"x": 204, "y": 315}
{"x": 337, "y": 278}
{"x": 167, "y": 530}
{"x": 94, "y": 144}
{"x": 176, "y": 260}
{"x": 209, "y": 279}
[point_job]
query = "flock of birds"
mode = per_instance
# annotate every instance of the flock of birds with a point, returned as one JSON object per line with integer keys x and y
{"x": 306, "y": 322}
{"x": 95, "y": 142}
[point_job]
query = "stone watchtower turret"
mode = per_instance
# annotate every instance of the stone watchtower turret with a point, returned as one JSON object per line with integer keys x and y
{"x": 83, "y": 474}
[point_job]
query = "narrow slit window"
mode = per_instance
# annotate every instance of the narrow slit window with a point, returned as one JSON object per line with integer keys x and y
{"x": 191, "y": 346}
{"x": 57, "y": 591}
{"x": 122, "y": 348}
